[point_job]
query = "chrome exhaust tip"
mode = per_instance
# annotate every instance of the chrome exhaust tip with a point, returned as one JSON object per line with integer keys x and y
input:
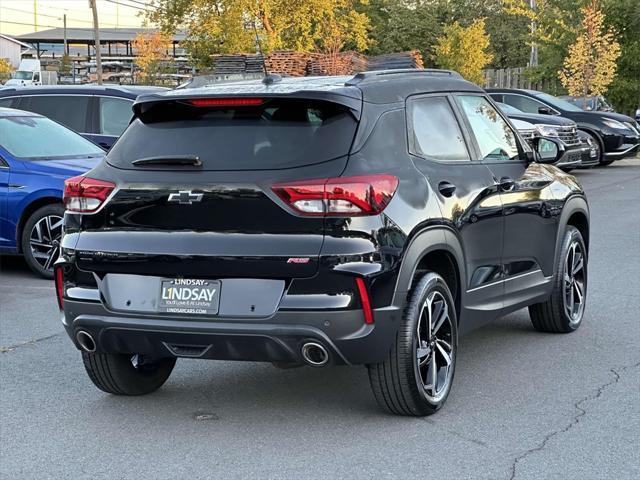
{"x": 86, "y": 342}
{"x": 315, "y": 354}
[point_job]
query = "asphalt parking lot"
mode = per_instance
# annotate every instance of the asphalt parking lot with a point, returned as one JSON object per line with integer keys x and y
{"x": 524, "y": 405}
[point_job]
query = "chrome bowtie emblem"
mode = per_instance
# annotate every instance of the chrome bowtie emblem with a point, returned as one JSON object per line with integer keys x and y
{"x": 185, "y": 197}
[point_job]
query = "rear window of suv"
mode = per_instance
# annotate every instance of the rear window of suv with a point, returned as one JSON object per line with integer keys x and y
{"x": 280, "y": 133}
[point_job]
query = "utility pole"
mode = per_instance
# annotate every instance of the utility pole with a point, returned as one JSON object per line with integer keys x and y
{"x": 96, "y": 40}
{"x": 64, "y": 25}
{"x": 35, "y": 15}
{"x": 533, "y": 57}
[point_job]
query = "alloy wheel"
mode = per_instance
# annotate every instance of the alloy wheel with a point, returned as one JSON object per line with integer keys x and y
{"x": 574, "y": 282}
{"x": 435, "y": 347}
{"x": 44, "y": 240}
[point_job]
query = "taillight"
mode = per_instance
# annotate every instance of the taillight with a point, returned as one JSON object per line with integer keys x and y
{"x": 341, "y": 196}
{"x": 226, "y": 102}
{"x": 59, "y": 280}
{"x": 365, "y": 300}
{"x": 83, "y": 194}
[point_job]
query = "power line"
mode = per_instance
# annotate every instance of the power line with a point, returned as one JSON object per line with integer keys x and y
{"x": 31, "y": 13}
{"x": 127, "y": 5}
{"x": 69, "y": 18}
{"x": 27, "y": 24}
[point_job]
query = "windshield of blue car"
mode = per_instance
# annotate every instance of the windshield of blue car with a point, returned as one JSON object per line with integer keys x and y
{"x": 33, "y": 138}
{"x": 557, "y": 102}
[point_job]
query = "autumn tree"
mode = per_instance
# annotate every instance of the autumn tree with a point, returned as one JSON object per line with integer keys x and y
{"x": 230, "y": 26}
{"x": 5, "y": 70}
{"x": 151, "y": 50}
{"x": 590, "y": 64}
{"x": 464, "y": 49}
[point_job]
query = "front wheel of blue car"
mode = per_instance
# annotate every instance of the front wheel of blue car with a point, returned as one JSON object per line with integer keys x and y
{"x": 416, "y": 377}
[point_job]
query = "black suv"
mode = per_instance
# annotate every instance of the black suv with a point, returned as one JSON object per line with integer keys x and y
{"x": 335, "y": 220}
{"x": 618, "y": 136}
{"x": 98, "y": 113}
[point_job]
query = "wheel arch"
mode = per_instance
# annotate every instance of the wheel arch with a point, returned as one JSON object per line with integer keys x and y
{"x": 437, "y": 250}
{"x": 28, "y": 211}
{"x": 576, "y": 214}
{"x": 594, "y": 133}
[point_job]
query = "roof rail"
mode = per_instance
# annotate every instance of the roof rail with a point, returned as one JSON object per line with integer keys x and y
{"x": 363, "y": 76}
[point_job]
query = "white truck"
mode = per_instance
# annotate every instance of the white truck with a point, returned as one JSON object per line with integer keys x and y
{"x": 30, "y": 73}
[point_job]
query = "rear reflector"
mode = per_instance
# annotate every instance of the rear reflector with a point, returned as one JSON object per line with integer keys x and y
{"x": 226, "y": 102}
{"x": 365, "y": 300}
{"x": 83, "y": 194}
{"x": 341, "y": 196}
{"x": 59, "y": 280}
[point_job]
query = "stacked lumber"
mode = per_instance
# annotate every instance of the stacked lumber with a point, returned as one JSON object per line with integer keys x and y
{"x": 300, "y": 64}
{"x": 292, "y": 64}
{"x": 390, "y": 61}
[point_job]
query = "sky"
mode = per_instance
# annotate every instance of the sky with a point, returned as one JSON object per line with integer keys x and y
{"x": 17, "y": 16}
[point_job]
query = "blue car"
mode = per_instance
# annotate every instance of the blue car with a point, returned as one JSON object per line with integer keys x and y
{"x": 36, "y": 156}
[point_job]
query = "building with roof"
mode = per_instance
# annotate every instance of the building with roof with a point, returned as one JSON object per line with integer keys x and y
{"x": 114, "y": 42}
{"x": 12, "y": 49}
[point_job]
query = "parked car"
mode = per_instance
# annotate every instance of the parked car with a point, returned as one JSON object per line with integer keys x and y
{"x": 362, "y": 220}
{"x": 617, "y": 135}
{"x": 579, "y": 152}
{"x": 638, "y": 115}
{"x": 36, "y": 156}
{"x": 98, "y": 113}
{"x": 597, "y": 102}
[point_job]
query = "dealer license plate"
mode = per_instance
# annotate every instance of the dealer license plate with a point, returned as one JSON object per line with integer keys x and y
{"x": 189, "y": 296}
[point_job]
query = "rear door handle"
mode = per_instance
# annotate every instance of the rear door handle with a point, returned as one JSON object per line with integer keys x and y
{"x": 446, "y": 188}
{"x": 506, "y": 184}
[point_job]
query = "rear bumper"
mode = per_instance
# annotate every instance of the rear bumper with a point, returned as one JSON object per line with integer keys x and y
{"x": 278, "y": 338}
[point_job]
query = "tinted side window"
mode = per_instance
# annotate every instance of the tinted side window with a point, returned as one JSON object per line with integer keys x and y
{"x": 436, "y": 131}
{"x": 6, "y": 102}
{"x": 68, "y": 110}
{"x": 495, "y": 138}
{"x": 115, "y": 114}
{"x": 524, "y": 104}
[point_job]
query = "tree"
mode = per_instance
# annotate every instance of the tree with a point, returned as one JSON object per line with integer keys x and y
{"x": 5, "y": 66}
{"x": 590, "y": 65}
{"x": 464, "y": 49}
{"x": 557, "y": 24}
{"x": 231, "y": 26}
{"x": 151, "y": 50}
{"x": 624, "y": 16}
{"x": 5, "y": 69}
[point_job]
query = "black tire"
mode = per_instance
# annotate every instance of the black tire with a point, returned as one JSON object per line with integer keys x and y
{"x": 42, "y": 266}
{"x": 398, "y": 383}
{"x": 113, "y": 373}
{"x": 553, "y": 314}
{"x": 604, "y": 163}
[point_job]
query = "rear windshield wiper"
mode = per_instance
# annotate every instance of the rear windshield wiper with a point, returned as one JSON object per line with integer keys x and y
{"x": 190, "y": 160}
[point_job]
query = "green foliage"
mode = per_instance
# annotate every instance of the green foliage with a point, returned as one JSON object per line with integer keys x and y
{"x": 624, "y": 16}
{"x": 464, "y": 49}
{"x": 231, "y": 26}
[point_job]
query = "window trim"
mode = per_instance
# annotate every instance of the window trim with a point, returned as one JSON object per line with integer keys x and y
{"x": 523, "y": 146}
{"x": 411, "y": 136}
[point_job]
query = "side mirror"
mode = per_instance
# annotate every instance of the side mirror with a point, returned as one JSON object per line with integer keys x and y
{"x": 548, "y": 150}
{"x": 545, "y": 111}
